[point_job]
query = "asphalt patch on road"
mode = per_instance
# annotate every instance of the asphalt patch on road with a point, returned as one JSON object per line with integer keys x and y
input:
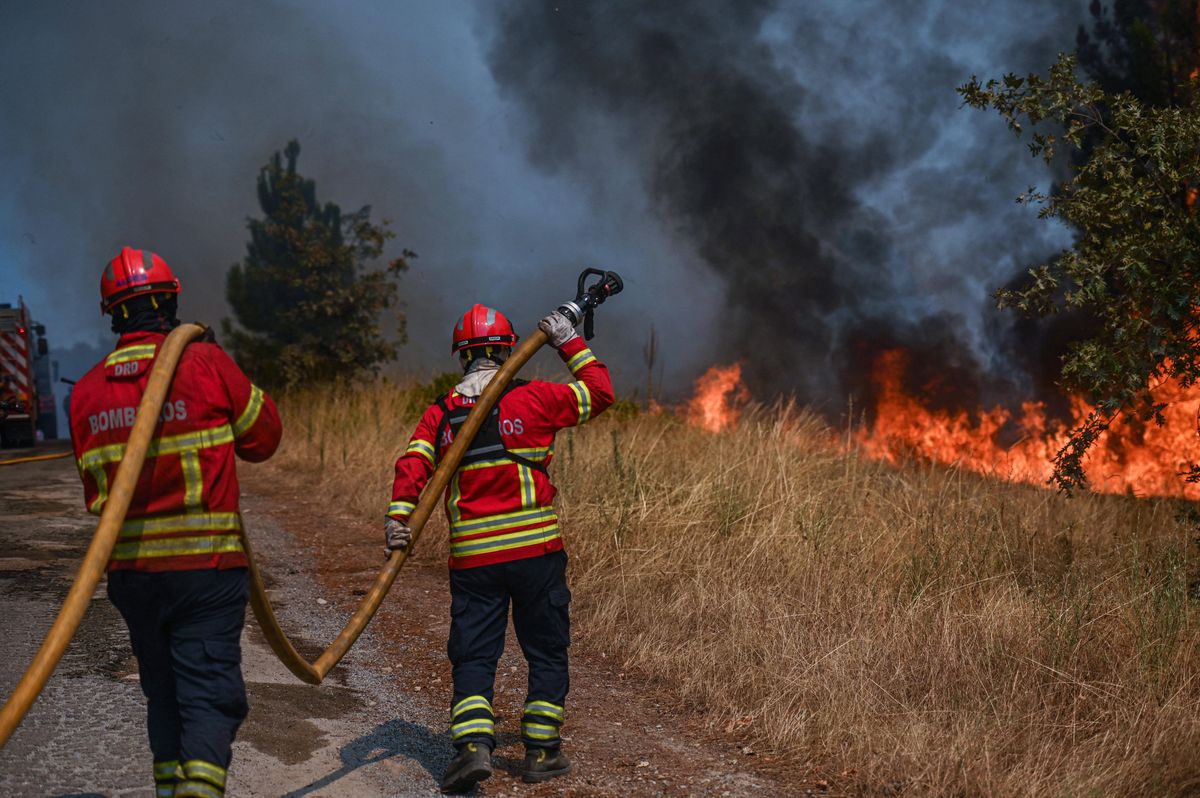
{"x": 282, "y": 716}
{"x": 35, "y": 572}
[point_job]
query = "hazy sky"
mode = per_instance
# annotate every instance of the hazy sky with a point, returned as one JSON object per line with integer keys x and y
{"x": 510, "y": 160}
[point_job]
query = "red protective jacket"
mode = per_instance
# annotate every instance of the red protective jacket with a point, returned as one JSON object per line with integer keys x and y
{"x": 184, "y": 513}
{"x": 500, "y": 509}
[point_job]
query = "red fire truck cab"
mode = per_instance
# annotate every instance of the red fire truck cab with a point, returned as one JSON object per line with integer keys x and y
{"x": 24, "y": 409}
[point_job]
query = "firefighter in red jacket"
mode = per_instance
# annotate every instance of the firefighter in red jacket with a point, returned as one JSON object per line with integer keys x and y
{"x": 505, "y": 541}
{"x": 178, "y": 572}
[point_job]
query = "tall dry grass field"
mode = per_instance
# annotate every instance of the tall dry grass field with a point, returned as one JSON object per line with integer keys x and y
{"x": 935, "y": 632}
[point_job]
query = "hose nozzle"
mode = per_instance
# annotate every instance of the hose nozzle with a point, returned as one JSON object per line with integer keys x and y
{"x": 588, "y": 297}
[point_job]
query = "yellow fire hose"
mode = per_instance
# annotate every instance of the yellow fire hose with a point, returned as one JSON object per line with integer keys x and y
{"x": 96, "y": 559}
{"x": 121, "y": 493}
{"x": 34, "y": 458}
{"x": 314, "y": 672}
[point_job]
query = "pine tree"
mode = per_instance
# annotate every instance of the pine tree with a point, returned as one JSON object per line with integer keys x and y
{"x": 307, "y": 306}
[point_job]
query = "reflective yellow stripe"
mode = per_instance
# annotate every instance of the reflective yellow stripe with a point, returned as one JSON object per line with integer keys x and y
{"x": 103, "y": 454}
{"x": 583, "y": 398}
{"x": 401, "y": 508}
{"x": 193, "y": 479}
{"x": 177, "y": 547}
{"x": 197, "y": 789}
{"x": 525, "y": 475}
{"x": 200, "y": 439}
{"x": 535, "y": 453}
{"x": 496, "y": 543}
{"x": 166, "y": 524}
{"x": 423, "y": 448}
{"x": 172, "y": 444}
{"x": 101, "y": 478}
{"x": 455, "y": 497}
{"x": 490, "y": 523}
{"x": 250, "y": 414}
{"x": 477, "y": 726}
{"x": 166, "y": 770}
{"x": 580, "y": 359}
{"x": 544, "y": 708}
{"x": 186, "y": 444}
{"x": 199, "y": 769}
{"x": 487, "y": 464}
{"x": 469, "y": 703}
{"x": 538, "y": 731}
{"x": 129, "y": 353}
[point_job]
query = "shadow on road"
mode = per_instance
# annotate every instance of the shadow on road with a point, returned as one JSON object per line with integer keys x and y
{"x": 394, "y": 738}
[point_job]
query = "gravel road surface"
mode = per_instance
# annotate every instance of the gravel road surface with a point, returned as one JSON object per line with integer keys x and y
{"x": 85, "y": 736}
{"x": 376, "y": 727}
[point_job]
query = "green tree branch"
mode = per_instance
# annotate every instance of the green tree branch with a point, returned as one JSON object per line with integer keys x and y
{"x": 1135, "y": 262}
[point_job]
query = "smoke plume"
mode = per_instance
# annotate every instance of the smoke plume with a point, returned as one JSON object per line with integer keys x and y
{"x": 814, "y": 158}
{"x": 791, "y": 184}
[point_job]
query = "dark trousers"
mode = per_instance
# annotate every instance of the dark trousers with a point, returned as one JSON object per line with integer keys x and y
{"x": 185, "y": 628}
{"x": 479, "y": 602}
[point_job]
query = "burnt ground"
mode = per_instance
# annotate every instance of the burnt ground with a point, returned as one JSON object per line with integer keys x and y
{"x": 376, "y": 727}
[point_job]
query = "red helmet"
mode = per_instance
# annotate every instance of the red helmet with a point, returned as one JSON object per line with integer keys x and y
{"x": 482, "y": 326}
{"x": 132, "y": 273}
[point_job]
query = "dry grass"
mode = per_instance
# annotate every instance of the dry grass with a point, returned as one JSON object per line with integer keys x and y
{"x": 938, "y": 633}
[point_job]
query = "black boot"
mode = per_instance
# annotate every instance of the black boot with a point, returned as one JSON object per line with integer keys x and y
{"x": 471, "y": 765}
{"x": 542, "y": 765}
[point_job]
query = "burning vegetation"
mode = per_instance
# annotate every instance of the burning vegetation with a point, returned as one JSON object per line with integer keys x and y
{"x": 719, "y": 398}
{"x": 1133, "y": 456}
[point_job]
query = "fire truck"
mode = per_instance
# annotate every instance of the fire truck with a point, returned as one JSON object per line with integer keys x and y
{"x": 26, "y": 385}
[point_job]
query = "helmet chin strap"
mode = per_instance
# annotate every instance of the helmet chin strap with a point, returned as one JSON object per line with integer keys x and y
{"x": 151, "y": 313}
{"x": 490, "y": 357}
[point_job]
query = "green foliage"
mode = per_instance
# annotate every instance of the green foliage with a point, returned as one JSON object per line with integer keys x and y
{"x": 307, "y": 308}
{"x": 1135, "y": 263}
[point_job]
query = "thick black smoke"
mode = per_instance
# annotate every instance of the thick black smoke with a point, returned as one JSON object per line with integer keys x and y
{"x": 803, "y": 165}
{"x": 812, "y": 157}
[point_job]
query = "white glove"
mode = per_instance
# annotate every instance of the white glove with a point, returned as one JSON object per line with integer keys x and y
{"x": 396, "y": 535}
{"x": 558, "y": 328}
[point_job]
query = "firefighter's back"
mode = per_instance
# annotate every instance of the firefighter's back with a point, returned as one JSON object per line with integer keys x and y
{"x": 178, "y": 571}
{"x": 184, "y": 513}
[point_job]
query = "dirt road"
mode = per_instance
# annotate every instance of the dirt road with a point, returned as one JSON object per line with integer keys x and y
{"x": 377, "y": 727}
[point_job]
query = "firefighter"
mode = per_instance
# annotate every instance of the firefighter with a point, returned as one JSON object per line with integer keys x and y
{"x": 178, "y": 573}
{"x": 505, "y": 542}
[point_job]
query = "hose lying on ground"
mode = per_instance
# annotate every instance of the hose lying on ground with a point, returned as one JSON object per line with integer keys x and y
{"x": 121, "y": 493}
{"x": 34, "y": 458}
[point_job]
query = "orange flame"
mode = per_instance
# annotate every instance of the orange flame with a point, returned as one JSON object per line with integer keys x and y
{"x": 1132, "y": 456}
{"x": 718, "y": 400}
